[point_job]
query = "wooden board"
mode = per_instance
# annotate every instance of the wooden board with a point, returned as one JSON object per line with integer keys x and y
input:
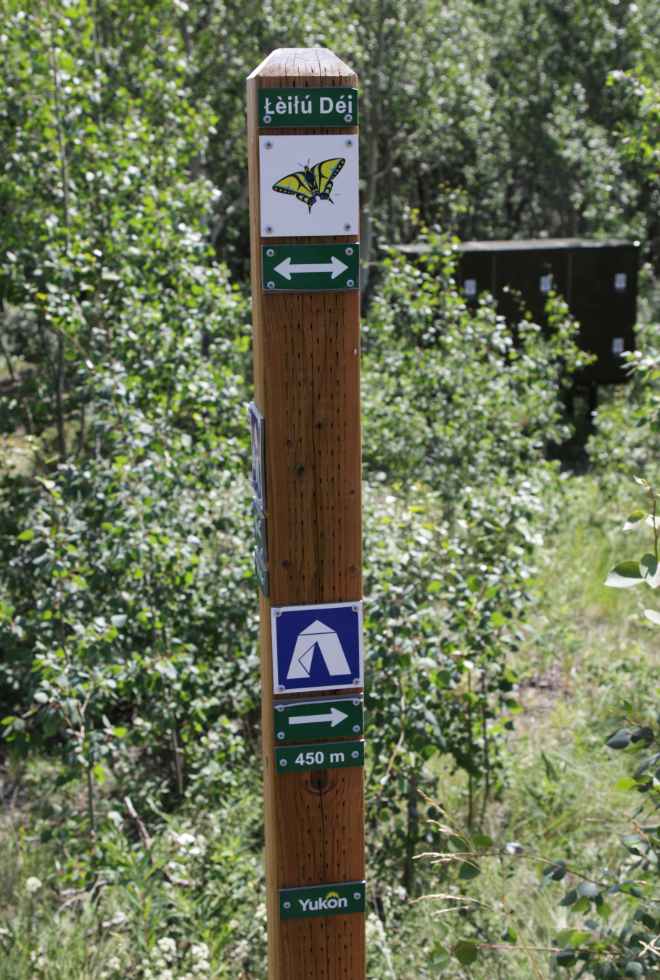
{"x": 307, "y": 386}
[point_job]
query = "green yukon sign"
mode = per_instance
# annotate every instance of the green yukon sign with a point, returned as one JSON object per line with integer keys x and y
{"x": 298, "y": 107}
{"x": 329, "y": 755}
{"x": 308, "y": 268}
{"x": 321, "y": 718}
{"x": 306, "y": 903}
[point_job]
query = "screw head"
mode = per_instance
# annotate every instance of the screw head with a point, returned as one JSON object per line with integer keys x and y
{"x": 356, "y": 728}
{"x": 356, "y": 703}
{"x": 287, "y": 905}
{"x": 348, "y": 117}
{"x": 355, "y": 608}
{"x": 267, "y": 119}
{"x": 278, "y": 707}
{"x": 280, "y": 734}
{"x": 357, "y": 896}
{"x": 355, "y": 683}
{"x": 349, "y": 251}
{"x": 268, "y": 144}
{"x": 280, "y": 687}
{"x": 355, "y": 755}
{"x": 268, "y": 229}
{"x": 348, "y": 226}
{"x": 270, "y": 252}
{"x": 270, "y": 285}
{"x": 350, "y": 283}
{"x": 282, "y": 762}
{"x": 349, "y": 142}
{"x": 278, "y": 613}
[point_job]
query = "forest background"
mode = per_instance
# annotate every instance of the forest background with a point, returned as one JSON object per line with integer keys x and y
{"x": 497, "y": 664}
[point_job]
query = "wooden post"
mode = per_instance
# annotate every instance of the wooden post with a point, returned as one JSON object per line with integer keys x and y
{"x": 307, "y": 387}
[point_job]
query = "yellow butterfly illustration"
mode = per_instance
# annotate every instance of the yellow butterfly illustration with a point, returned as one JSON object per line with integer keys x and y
{"x": 311, "y": 182}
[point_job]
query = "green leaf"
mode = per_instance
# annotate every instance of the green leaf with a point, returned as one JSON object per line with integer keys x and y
{"x": 625, "y": 785}
{"x": 625, "y": 575}
{"x": 653, "y": 616}
{"x": 581, "y": 905}
{"x": 566, "y": 958}
{"x": 569, "y": 898}
{"x": 465, "y": 952}
{"x": 650, "y": 569}
{"x": 468, "y": 871}
{"x": 588, "y": 889}
{"x": 620, "y": 740}
{"x": 480, "y": 840}
{"x": 634, "y": 519}
{"x": 25, "y": 536}
{"x": 119, "y": 732}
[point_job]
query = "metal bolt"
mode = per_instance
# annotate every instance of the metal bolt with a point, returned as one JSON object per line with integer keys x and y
{"x": 280, "y": 687}
{"x": 268, "y": 229}
{"x": 282, "y": 762}
{"x": 349, "y": 142}
{"x": 348, "y": 117}
{"x": 349, "y": 251}
{"x": 355, "y": 755}
{"x": 356, "y": 703}
{"x": 348, "y": 226}
{"x": 355, "y": 683}
{"x": 270, "y": 285}
{"x": 267, "y": 119}
{"x": 355, "y": 608}
{"x": 287, "y": 905}
{"x": 356, "y": 728}
{"x": 270, "y": 252}
{"x": 268, "y": 144}
{"x": 357, "y": 896}
{"x": 280, "y": 734}
{"x": 279, "y": 707}
{"x": 350, "y": 283}
{"x": 278, "y": 612}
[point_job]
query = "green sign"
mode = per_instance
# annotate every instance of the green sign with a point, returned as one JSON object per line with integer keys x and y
{"x": 329, "y": 755}
{"x": 261, "y": 572}
{"x": 259, "y": 529}
{"x": 314, "y": 900}
{"x": 306, "y": 268}
{"x": 321, "y": 718}
{"x": 298, "y": 107}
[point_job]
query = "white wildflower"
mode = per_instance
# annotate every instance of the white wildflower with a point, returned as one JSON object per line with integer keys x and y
{"x": 33, "y": 885}
{"x": 113, "y": 963}
{"x": 261, "y": 911}
{"x": 199, "y": 951}
{"x": 184, "y": 839}
{"x": 166, "y": 975}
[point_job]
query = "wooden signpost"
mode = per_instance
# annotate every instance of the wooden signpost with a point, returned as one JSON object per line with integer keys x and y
{"x": 303, "y": 164}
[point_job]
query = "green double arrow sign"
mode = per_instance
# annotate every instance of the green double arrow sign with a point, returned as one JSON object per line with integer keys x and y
{"x": 310, "y": 268}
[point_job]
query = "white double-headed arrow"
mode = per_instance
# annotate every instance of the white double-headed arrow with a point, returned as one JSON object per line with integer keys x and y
{"x": 287, "y": 268}
{"x": 334, "y": 718}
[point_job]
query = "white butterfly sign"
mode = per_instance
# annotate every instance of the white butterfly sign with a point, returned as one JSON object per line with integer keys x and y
{"x": 309, "y": 185}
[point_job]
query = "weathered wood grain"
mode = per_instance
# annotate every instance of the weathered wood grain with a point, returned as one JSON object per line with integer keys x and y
{"x": 307, "y": 386}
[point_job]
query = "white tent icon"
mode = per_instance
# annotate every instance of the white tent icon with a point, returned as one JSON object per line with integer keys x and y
{"x": 329, "y": 645}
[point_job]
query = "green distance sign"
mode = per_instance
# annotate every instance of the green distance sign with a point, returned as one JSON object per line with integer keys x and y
{"x": 320, "y": 718}
{"x": 329, "y": 755}
{"x": 310, "y": 268}
{"x": 315, "y": 900}
{"x": 279, "y": 107}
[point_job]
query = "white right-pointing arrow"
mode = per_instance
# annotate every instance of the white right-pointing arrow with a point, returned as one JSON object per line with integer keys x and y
{"x": 334, "y": 718}
{"x": 287, "y": 268}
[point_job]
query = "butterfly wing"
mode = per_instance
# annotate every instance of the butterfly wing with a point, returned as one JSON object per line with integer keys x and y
{"x": 296, "y": 184}
{"x": 324, "y": 174}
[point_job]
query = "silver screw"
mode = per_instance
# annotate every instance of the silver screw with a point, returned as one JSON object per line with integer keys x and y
{"x": 287, "y": 905}
{"x": 280, "y": 687}
{"x": 355, "y": 755}
{"x": 356, "y": 728}
{"x": 349, "y": 142}
{"x": 350, "y": 283}
{"x": 349, "y": 251}
{"x": 280, "y": 734}
{"x": 278, "y": 613}
{"x": 268, "y": 144}
{"x": 267, "y": 119}
{"x": 279, "y": 707}
{"x": 270, "y": 285}
{"x": 355, "y": 608}
{"x": 269, "y": 229}
{"x": 270, "y": 252}
{"x": 348, "y": 226}
{"x": 357, "y": 896}
{"x": 282, "y": 762}
{"x": 356, "y": 703}
{"x": 348, "y": 117}
{"x": 355, "y": 683}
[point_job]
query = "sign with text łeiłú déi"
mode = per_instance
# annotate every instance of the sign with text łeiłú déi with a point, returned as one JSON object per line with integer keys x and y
{"x": 279, "y": 107}
{"x": 318, "y": 755}
{"x": 313, "y": 900}
{"x": 262, "y": 573}
{"x": 306, "y": 268}
{"x": 317, "y": 648}
{"x": 321, "y": 718}
{"x": 308, "y": 185}
{"x": 258, "y": 454}
{"x": 259, "y": 529}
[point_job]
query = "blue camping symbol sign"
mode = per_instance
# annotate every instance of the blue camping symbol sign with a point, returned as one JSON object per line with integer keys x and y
{"x": 317, "y": 648}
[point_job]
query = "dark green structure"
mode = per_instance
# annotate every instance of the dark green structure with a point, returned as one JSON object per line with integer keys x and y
{"x": 598, "y": 280}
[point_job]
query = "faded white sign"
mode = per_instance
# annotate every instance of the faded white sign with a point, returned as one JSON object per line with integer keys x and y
{"x": 309, "y": 185}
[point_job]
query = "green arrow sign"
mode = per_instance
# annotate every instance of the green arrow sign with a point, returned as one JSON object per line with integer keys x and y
{"x": 314, "y": 900}
{"x": 279, "y": 107}
{"x": 326, "y": 755}
{"x": 320, "y": 718}
{"x": 310, "y": 268}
